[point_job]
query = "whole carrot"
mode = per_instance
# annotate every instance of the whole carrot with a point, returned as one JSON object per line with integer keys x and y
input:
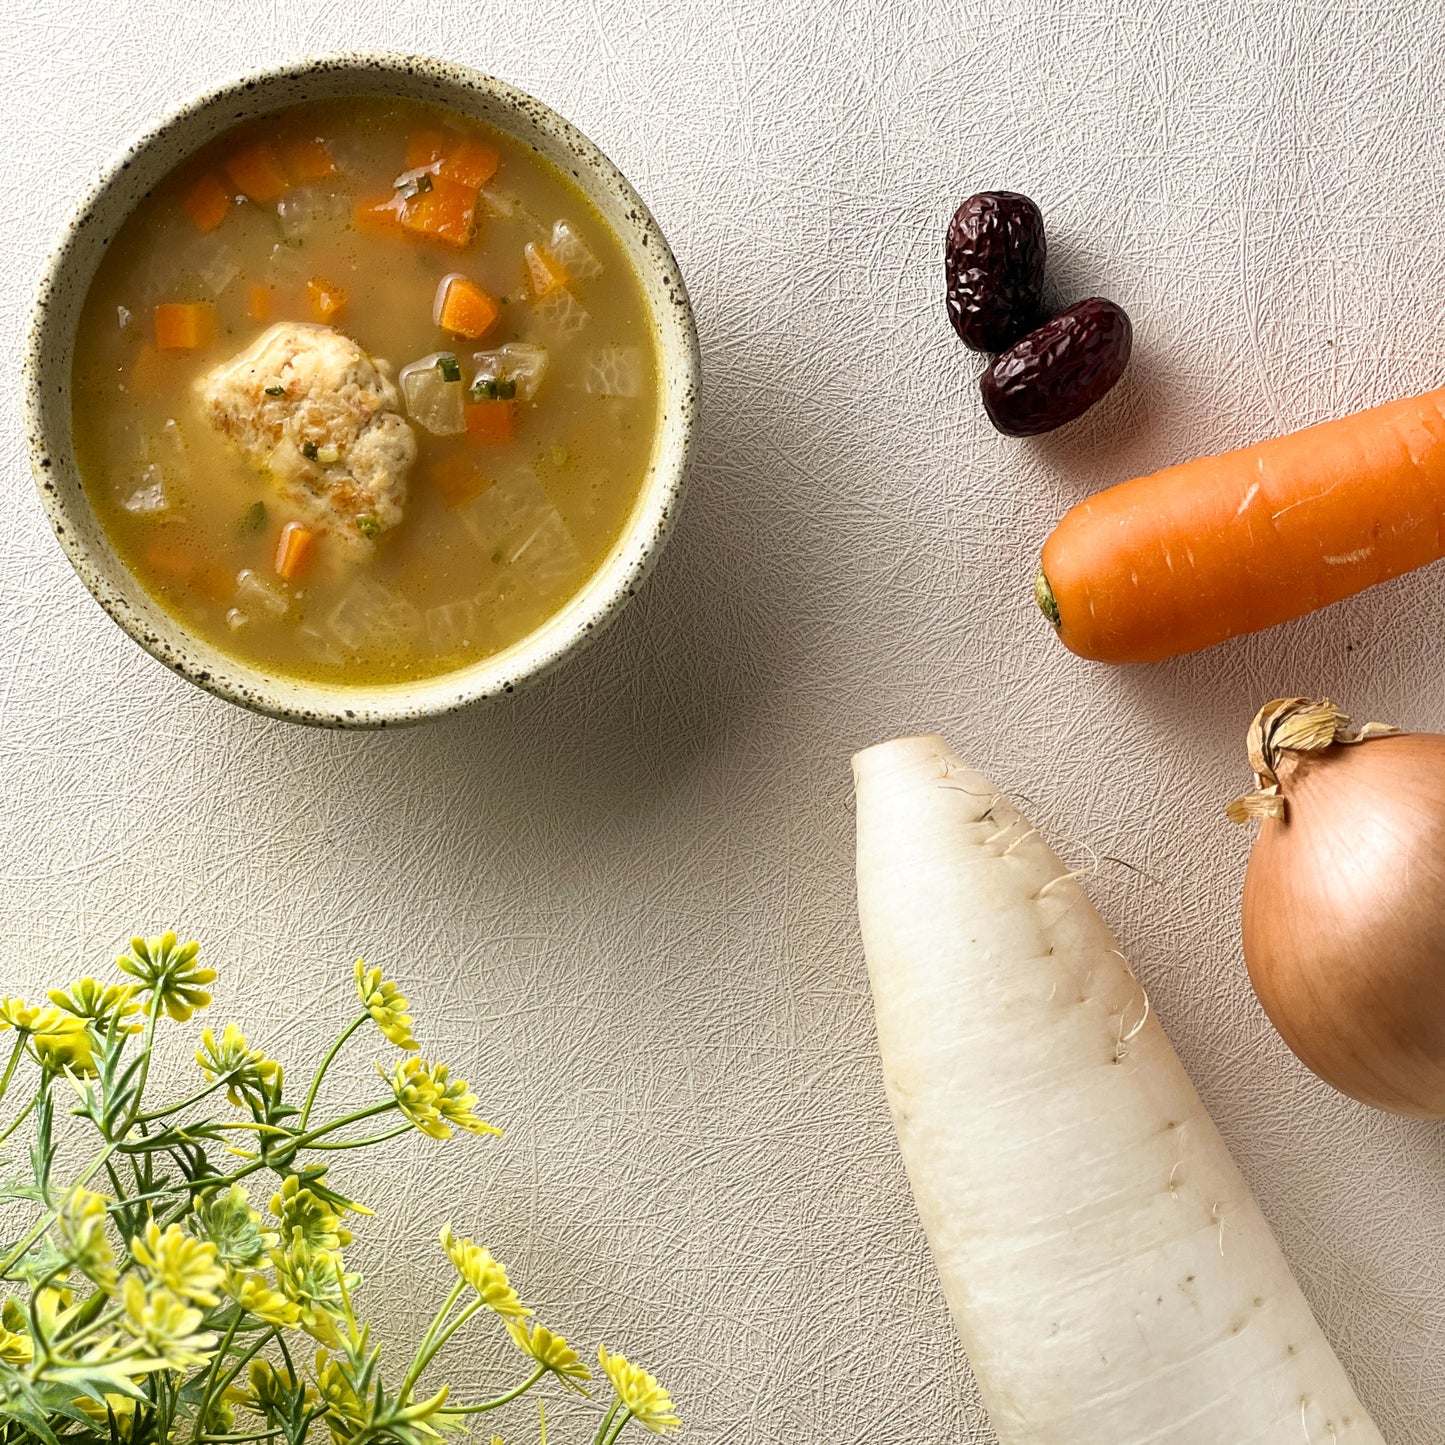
{"x": 1210, "y": 549}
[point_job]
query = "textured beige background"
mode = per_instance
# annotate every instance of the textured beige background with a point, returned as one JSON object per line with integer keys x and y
{"x": 622, "y": 904}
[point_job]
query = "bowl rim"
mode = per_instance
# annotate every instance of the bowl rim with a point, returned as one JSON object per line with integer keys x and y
{"x": 579, "y": 620}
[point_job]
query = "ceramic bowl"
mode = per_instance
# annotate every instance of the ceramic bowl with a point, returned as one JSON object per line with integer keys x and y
{"x": 73, "y": 264}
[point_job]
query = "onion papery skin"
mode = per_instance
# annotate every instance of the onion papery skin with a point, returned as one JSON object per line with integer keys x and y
{"x": 1344, "y": 919}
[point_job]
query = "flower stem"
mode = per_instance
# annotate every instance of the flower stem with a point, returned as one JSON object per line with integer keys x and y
{"x": 436, "y": 1337}
{"x": 363, "y": 1143}
{"x": 18, "y": 1120}
{"x": 501, "y": 1399}
{"x": 606, "y": 1424}
{"x": 11, "y": 1063}
{"x": 185, "y": 1103}
{"x": 619, "y": 1427}
{"x": 204, "y": 1407}
{"x": 325, "y": 1064}
{"x": 50, "y": 1215}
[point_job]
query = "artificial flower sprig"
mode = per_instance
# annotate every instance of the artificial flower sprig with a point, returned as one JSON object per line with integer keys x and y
{"x": 154, "y": 1303}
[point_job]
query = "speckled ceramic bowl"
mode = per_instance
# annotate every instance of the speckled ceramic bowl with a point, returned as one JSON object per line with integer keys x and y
{"x": 68, "y": 275}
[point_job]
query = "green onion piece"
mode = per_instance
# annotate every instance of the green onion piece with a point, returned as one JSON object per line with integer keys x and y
{"x": 368, "y": 526}
{"x": 560, "y": 456}
{"x": 277, "y": 390}
{"x": 447, "y": 365}
{"x": 328, "y": 456}
{"x": 507, "y": 389}
{"x": 253, "y": 519}
{"x": 414, "y": 186}
{"x": 309, "y": 450}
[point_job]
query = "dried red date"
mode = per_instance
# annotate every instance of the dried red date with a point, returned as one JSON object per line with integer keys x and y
{"x": 1055, "y": 374}
{"x": 993, "y": 258}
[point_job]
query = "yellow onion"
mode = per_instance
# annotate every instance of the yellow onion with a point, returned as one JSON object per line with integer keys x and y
{"x": 1344, "y": 900}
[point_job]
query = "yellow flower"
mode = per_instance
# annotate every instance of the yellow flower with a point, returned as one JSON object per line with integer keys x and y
{"x": 232, "y": 1060}
{"x": 82, "y": 1225}
{"x": 15, "y": 1013}
{"x": 229, "y": 1222}
{"x": 165, "y": 1326}
{"x": 307, "y": 1221}
{"x": 642, "y": 1397}
{"x": 432, "y": 1102}
{"x": 15, "y": 1347}
{"x": 59, "y": 1039}
{"x": 64, "y": 1043}
{"x": 167, "y": 969}
{"x": 87, "y": 998}
{"x": 381, "y": 999}
{"x": 345, "y": 1414}
{"x": 485, "y": 1275}
{"x": 122, "y": 1407}
{"x": 550, "y": 1351}
{"x": 253, "y": 1293}
{"x": 185, "y": 1265}
{"x": 309, "y": 1278}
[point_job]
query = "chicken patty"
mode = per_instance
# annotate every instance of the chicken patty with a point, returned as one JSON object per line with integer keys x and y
{"x": 324, "y": 420}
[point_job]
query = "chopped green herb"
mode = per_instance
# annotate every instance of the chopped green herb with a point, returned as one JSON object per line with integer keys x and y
{"x": 253, "y": 519}
{"x": 493, "y": 388}
{"x": 506, "y": 300}
{"x": 447, "y": 365}
{"x": 309, "y": 450}
{"x": 497, "y": 557}
{"x": 412, "y": 186}
{"x": 560, "y": 456}
{"x": 277, "y": 390}
{"x": 368, "y": 526}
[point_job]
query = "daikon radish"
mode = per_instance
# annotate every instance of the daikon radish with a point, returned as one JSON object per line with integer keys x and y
{"x": 1110, "y": 1274}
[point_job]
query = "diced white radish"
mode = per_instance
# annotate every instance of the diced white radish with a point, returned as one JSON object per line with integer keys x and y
{"x": 213, "y": 262}
{"x": 561, "y": 312}
{"x": 576, "y": 256}
{"x": 319, "y": 647}
{"x": 546, "y": 561}
{"x": 1110, "y": 1274}
{"x": 146, "y": 497}
{"x": 451, "y": 625}
{"x": 123, "y": 316}
{"x": 257, "y": 594}
{"x": 616, "y": 371}
{"x": 286, "y": 265}
{"x": 236, "y": 619}
{"x": 370, "y": 616}
{"x": 434, "y": 399}
{"x": 504, "y": 205}
{"x": 302, "y": 209}
{"x": 522, "y": 362}
{"x": 516, "y": 525}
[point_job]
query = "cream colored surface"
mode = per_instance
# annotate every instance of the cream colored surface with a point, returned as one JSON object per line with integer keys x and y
{"x": 624, "y": 903}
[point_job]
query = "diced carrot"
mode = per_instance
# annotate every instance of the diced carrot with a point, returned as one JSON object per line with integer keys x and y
{"x": 457, "y": 478}
{"x": 378, "y": 214}
{"x": 492, "y": 422}
{"x": 544, "y": 271}
{"x": 260, "y": 300}
{"x": 447, "y": 212}
{"x": 306, "y": 158}
{"x": 459, "y": 158}
{"x": 207, "y": 203}
{"x": 327, "y": 300}
{"x": 293, "y": 550}
{"x": 185, "y": 325}
{"x": 425, "y": 148}
{"x": 171, "y": 558}
{"x": 463, "y": 308}
{"x": 257, "y": 174}
{"x": 213, "y": 582}
{"x": 471, "y": 163}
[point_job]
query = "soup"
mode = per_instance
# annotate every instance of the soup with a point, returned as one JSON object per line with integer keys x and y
{"x": 364, "y": 391}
